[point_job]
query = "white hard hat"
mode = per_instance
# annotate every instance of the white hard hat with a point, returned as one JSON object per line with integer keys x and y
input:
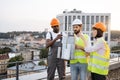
{"x": 76, "y": 21}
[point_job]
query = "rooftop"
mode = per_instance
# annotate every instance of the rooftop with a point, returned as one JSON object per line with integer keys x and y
{"x": 4, "y": 56}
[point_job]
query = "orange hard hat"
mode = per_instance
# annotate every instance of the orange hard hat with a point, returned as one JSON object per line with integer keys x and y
{"x": 100, "y": 25}
{"x": 54, "y": 22}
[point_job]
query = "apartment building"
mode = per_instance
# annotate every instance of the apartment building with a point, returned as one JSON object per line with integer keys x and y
{"x": 88, "y": 19}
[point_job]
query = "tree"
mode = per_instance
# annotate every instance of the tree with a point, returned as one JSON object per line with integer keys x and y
{"x": 43, "y": 53}
{"x": 14, "y": 59}
{"x": 41, "y": 63}
{"x": 5, "y": 50}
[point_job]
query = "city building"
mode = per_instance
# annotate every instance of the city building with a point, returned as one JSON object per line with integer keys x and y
{"x": 114, "y": 43}
{"x": 26, "y": 54}
{"x": 3, "y": 60}
{"x": 88, "y": 19}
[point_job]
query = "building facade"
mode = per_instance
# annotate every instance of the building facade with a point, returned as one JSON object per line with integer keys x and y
{"x": 3, "y": 60}
{"x": 88, "y": 19}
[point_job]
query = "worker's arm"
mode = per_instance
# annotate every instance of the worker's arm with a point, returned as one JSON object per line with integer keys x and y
{"x": 51, "y": 42}
{"x": 79, "y": 47}
{"x": 95, "y": 47}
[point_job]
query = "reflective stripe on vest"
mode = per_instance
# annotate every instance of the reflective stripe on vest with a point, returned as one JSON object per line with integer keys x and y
{"x": 98, "y": 66}
{"x": 98, "y": 69}
{"x": 100, "y": 58}
{"x": 99, "y": 63}
{"x": 79, "y": 55}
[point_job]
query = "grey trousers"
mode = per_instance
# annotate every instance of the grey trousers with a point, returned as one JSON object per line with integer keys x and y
{"x": 53, "y": 64}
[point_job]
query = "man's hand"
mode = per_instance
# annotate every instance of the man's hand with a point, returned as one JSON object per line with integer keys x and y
{"x": 51, "y": 42}
{"x": 59, "y": 36}
{"x": 87, "y": 54}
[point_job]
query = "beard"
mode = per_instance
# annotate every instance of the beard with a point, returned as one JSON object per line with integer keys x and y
{"x": 76, "y": 31}
{"x": 56, "y": 30}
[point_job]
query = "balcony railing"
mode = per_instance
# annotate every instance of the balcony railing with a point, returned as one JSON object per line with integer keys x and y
{"x": 17, "y": 69}
{"x": 18, "y": 74}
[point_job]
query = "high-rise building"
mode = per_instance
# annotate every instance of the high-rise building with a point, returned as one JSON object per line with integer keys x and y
{"x": 88, "y": 19}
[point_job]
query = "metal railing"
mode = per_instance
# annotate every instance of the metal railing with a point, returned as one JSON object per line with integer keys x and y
{"x": 18, "y": 73}
{"x": 17, "y": 65}
{"x": 115, "y": 57}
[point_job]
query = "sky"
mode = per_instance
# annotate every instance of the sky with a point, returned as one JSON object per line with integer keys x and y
{"x": 35, "y": 15}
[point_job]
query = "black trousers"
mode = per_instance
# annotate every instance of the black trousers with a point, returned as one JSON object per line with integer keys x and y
{"x": 95, "y": 76}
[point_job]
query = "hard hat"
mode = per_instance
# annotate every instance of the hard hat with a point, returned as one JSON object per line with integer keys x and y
{"x": 76, "y": 21}
{"x": 54, "y": 22}
{"x": 100, "y": 25}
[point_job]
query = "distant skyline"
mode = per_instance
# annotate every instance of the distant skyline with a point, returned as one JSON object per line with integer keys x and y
{"x": 35, "y": 15}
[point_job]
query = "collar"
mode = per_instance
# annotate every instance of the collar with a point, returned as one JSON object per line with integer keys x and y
{"x": 99, "y": 39}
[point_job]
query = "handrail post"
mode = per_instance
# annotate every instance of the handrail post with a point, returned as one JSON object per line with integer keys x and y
{"x": 118, "y": 58}
{"x": 17, "y": 71}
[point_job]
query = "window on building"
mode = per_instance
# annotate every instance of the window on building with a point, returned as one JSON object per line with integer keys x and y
{"x": 83, "y": 19}
{"x": 102, "y": 19}
{"x": 65, "y": 23}
{"x": 92, "y": 20}
{"x": 69, "y": 23}
{"x": 97, "y": 18}
{"x": 74, "y": 17}
{"x": 106, "y": 19}
{"x": 78, "y": 17}
{"x": 87, "y": 23}
{"x": 69, "y": 20}
{"x": 88, "y": 19}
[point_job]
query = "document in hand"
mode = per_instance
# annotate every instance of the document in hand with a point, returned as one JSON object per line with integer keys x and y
{"x": 68, "y": 47}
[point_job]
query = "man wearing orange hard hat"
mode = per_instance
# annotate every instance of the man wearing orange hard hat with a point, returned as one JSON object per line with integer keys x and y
{"x": 98, "y": 63}
{"x": 54, "y": 22}
{"x": 53, "y": 41}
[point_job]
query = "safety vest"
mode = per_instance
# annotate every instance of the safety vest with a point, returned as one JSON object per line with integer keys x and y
{"x": 99, "y": 63}
{"x": 79, "y": 55}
